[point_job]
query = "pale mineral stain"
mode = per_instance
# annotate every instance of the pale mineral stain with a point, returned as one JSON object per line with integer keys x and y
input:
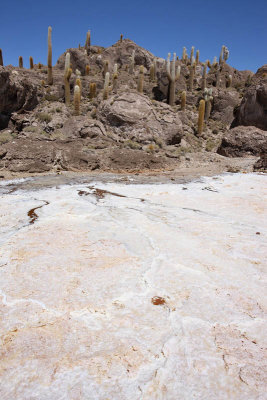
{"x": 162, "y": 298}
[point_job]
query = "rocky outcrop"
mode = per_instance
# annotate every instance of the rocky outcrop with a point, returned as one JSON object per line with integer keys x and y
{"x": 17, "y": 92}
{"x": 253, "y": 108}
{"x": 133, "y": 115}
{"x": 224, "y": 104}
{"x": 243, "y": 140}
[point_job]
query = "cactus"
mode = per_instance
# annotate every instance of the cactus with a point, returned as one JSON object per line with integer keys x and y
{"x": 77, "y": 100}
{"x": 105, "y": 70}
{"x": 79, "y": 83}
{"x": 106, "y": 86}
{"x": 67, "y": 76}
{"x": 225, "y": 54}
{"x": 201, "y": 113}
{"x": 131, "y": 69}
{"x": 121, "y": 37}
{"x": 49, "y": 58}
{"x": 39, "y": 65}
{"x": 230, "y": 80}
{"x": 152, "y": 73}
{"x": 115, "y": 78}
{"x": 87, "y": 69}
{"x": 197, "y": 57}
{"x": 218, "y": 77}
{"x": 173, "y": 75}
{"x": 184, "y": 56}
{"x": 183, "y": 100}
{"x": 204, "y": 77}
{"x": 191, "y": 77}
{"x": 221, "y": 55}
{"x": 43, "y": 83}
{"x": 140, "y": 85}
{"x": 1, "y": 58}
{"x": 208, "y": 63}
{"x": 192, "y": 54}
{"x": 92, "y": 91}
{"x": 88, "y": 42}
{"x": 20, "y": 62}
{"x": 214, "y": 62}
{"x": 67, "y": 61}
{"x": 31, "y": 63}
{"x": 208, "y": 101}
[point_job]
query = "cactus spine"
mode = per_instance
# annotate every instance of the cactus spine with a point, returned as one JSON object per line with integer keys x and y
{"x": 201, "y": 113}
{"x": 183, "y": 100}
{"x": 20, "y": 62}
{"x": 208, "y": 102}
{"x": 191, "y": 77}
{"x": 131, "y": 69}
{"x": 31, "y": 63}
{"x": 140, "y": 85}
{"x": 106, "y": 86}
{"x": 173, "y": 75}
{"x": 88, "y": 42}
{"x": 77, "y": 99}
{"x": 204, "y": 77}
{"x": 1, "y": 58}
{"x": 49, "y": 58}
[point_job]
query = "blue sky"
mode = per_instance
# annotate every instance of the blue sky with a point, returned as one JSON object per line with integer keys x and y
{"x": 159, "y": 26}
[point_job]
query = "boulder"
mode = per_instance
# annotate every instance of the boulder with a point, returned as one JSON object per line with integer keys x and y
{"x": 243, "y": 140}
{"x": 253, "y": 108}
{"x": 18, "y": 91}
{"x": 224, "y": 103}
{"x": 134, "y": 116}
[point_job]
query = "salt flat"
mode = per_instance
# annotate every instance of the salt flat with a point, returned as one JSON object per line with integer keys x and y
{"x": 115, "y": 291}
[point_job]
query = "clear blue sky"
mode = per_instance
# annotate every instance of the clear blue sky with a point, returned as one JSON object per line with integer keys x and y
{"x": 159, "y": 26}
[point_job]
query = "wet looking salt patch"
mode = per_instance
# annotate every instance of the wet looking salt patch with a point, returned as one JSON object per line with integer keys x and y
{"x": 134, "y": 299}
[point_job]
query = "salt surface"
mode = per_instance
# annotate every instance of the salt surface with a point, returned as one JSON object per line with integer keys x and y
{"x": 79, "y": 287}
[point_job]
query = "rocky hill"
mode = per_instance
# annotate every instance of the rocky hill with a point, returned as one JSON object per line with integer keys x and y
{"x": 132, "y": 111}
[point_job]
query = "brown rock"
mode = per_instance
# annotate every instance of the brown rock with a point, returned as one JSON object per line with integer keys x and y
{"x": 253, "y": 108}
{"x": 133, "y": 116}
{"x": 243, "y": 140}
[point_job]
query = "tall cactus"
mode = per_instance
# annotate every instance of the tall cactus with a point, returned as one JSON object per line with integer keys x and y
{"x": 121, "y": 37}
{"x": 191, "y": 77}
{"x": 201, "y": 113}
{"x": 140, "y": 85}
{"x": 208, "y": 102}
{"x": 221, "y": 55}
{"x": 49, "y": 58}
{"x": 1, "y": 58}
{"x": 20, "y": 62}
{"x": 225, "y": 54}
{"x": 132, "y": 63}
{"x": 92, "y": 91}
{"x": 105, "y": 70}
{"x": 106, "y": 86}
{"x": 192, "y": 54}
{"x": 218, "y": 75}
{"x": 197, "y": 57}
{"x": 204, "y": 77}
{"x": 173, "y": 75}
{"x": 115, "y": 78}
{"x": 183, "y": 100}
{"x": 67, "y": 76}
{"x": 229, "y": 81}
{"x": 184, "y": 56}
{"x": 152, "y": 73}
{"x": 31, "y": 63}
{"x": 88, "y": 42}
{"x": 77, "y": 100}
